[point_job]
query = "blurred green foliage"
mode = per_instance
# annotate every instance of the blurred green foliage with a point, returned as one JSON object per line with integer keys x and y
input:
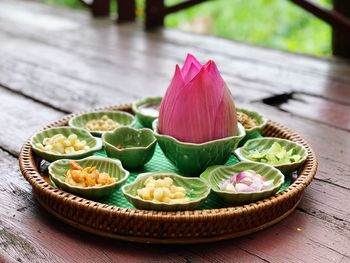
{"x": 271, "y": 23}
{"x": 69, "y": 3}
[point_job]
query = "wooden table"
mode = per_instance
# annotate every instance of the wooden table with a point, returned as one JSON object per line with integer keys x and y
{"x": 54, "y": 61}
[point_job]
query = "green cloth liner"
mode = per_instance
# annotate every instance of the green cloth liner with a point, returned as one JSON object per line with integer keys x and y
{"x": 159, "y": 163}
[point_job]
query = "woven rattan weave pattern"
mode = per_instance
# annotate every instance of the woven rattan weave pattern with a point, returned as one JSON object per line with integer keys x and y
{"x": 169, "y": 227}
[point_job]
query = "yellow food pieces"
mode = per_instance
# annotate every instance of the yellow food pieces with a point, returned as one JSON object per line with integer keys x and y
{"x": 102, "y": 124}
{"x": 246, "y": 121}
{"x": 162, "y": 190}
{"x": 87, "y": 177}
{"x": 59, "y": 144}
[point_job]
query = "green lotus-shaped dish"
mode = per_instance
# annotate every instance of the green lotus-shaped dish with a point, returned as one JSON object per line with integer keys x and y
{"x": 59, "y": 169}
{"x": 191, "y": 158}
{"x": 121, "y": 117}
{"x": 143, "y": 114}
{"x": 133, "y": 147}
{"x": 260, "y": 144}
{"x": 197, "y": 190}
{"x": 95, "y": 144}
{"x": 214, "y": 175}
{"x": 253, "y": 132}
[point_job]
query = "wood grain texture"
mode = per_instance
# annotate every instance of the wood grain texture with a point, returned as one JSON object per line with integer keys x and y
{"x": 21, "y": 117}
{"x": 55, "y": 60}
{"x": 261, "y": 73}
{"x": 32, "y": 235}
{"x": 29, "y": 233}
{"x": 320, "y": 110}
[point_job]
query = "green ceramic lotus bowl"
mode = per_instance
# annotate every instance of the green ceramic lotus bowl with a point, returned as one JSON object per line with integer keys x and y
{"x": 146, "y": 118}
{"x": 214, "y": 175}
{"x": 197, "y": 190}
{"x": 95, "y": 144}
{"x": 59, "y": 169}
{"x": 254, "y": 131}
{"x": 191, "y": 158}
{"x": 136, "y": 146}
{"x": 260, "y": 119}
{"x": 265, "y": 143}
{"x": 121, "y": 117}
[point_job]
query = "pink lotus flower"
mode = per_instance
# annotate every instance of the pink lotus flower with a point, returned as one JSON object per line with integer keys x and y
{"x": 197, "y": 107}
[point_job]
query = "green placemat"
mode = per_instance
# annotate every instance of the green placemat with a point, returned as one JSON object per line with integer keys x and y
{"x": 159, "y": 163}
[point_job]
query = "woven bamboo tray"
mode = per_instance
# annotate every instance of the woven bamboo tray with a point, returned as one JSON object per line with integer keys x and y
{"x": 182, "y": 227}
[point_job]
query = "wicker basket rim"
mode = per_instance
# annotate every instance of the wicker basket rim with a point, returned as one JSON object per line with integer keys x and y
{"x": 30, "y": 172}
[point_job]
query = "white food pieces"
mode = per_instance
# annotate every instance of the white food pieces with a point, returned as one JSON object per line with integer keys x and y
{"x": 59, "y": 144}
{"x": 162, "y": 190}
{"x": 245, "y": 182}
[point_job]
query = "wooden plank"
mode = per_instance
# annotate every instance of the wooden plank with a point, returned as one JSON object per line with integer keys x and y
{"x": 324, "y": 200}
{"x": 319, "y": 109}
{"x": 327, "y": 202}
{"x": 21, "y": 117}
{"x": 274, "y": 73}
{"x": 110, "y": 98}
{"x": 264, "y": 55}
{"x": 30, "y": 234}
{"x": 299, "y": 238}
{"x": 234, "y": 69}
{"x": 63, "y": 89}
{"x": 111, "y": 81}
{"x": 99, "y": 52}
{"x": 258, "y": 88}
{"x": 336, "y": 170}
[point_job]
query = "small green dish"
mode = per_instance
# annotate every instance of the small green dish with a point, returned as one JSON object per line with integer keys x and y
{"x": 122, "y": 117}
{"x": 265, "y": 143}
{"x": 197, "y": 190}
{"x": 214, "y": 175}
{"x": 192, "y": 158}
{"x": 144, "y": 115}
{"x": 59, "y": 169}
{"x": 255, "y": 131}
{"x": 95, "y": 144}
{"x": 137, "y": 146}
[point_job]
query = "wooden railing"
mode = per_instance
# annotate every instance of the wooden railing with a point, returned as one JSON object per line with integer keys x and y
{"x": 156, "y": 11}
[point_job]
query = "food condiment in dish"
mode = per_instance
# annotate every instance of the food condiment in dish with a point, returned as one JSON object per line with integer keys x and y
{"x": 246, "y": 181}
{"x": 103, "y": 124}
{"x": 59, "y": 144}
{"x": 121, "y": 147}
{"x": 87, "y": 177}
{"x": 275, "y": 155}
{"x": 150, "y": 109}
{"x": 162, "y": 190}
{"x": 246, "y": 120}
